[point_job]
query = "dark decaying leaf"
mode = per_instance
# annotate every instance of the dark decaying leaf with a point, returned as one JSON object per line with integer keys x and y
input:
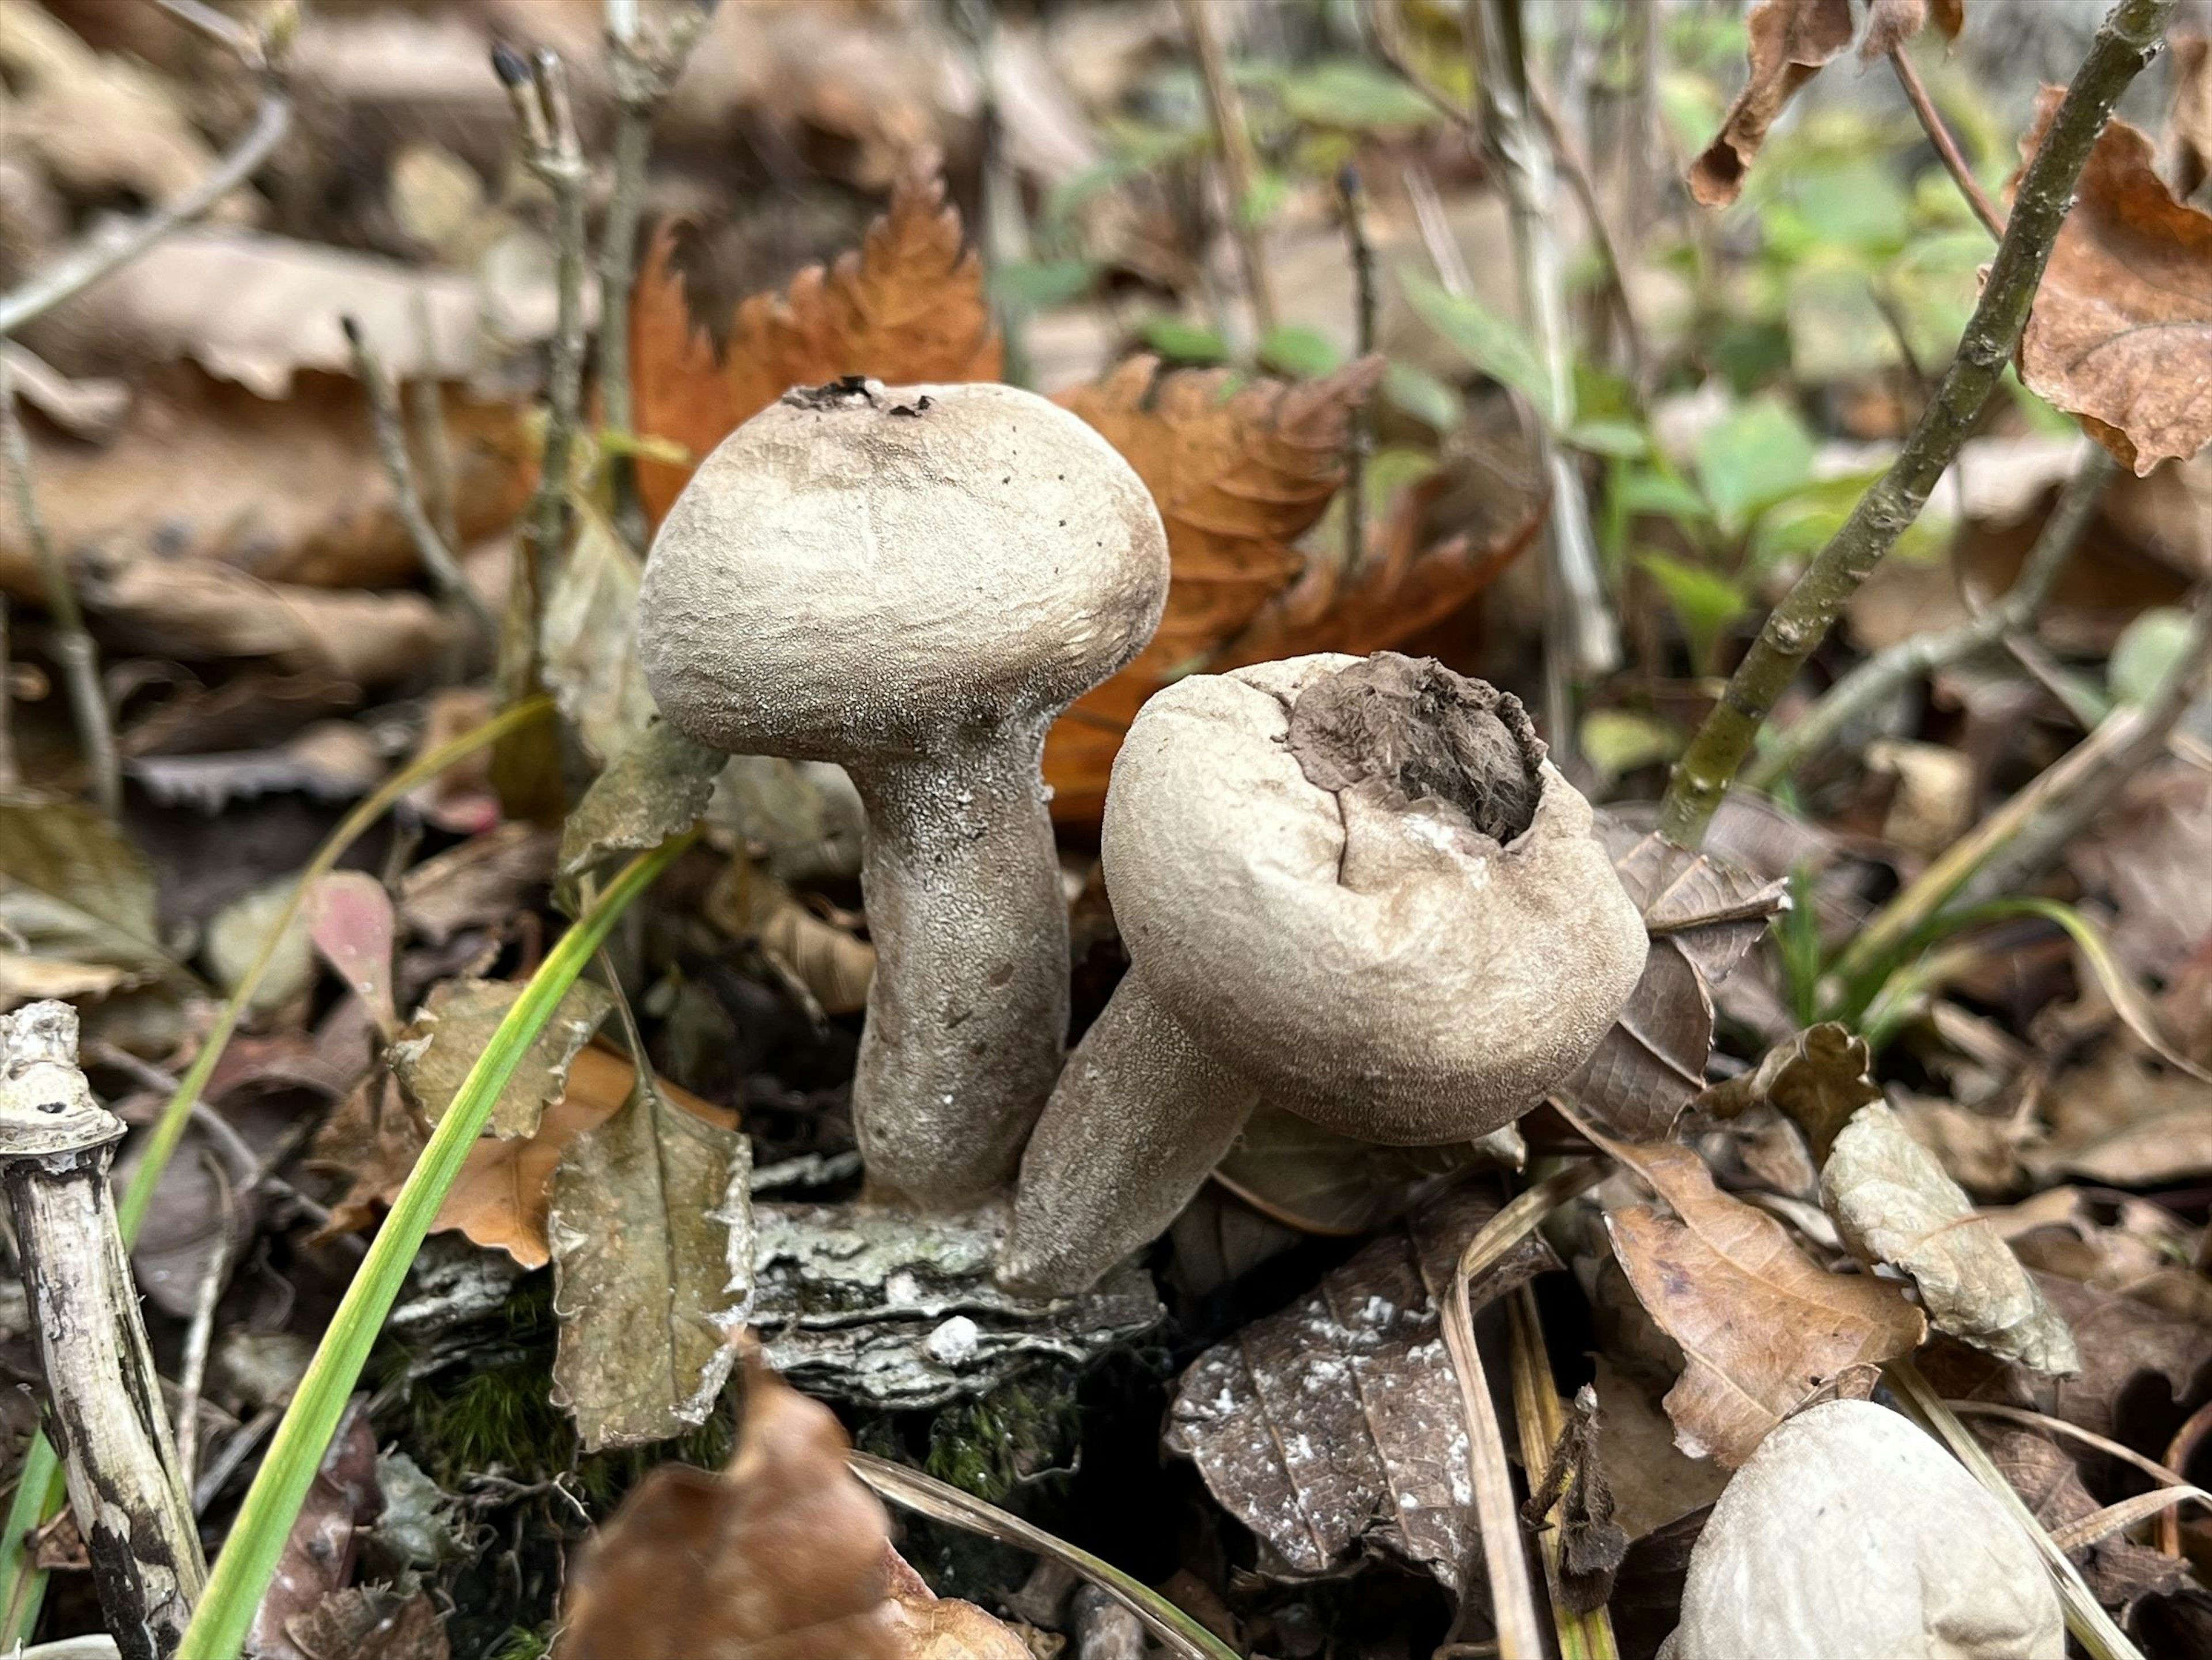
{"x": 1893, "y": 1204}
{"x": 1336, "y": 1422}
{"x": 318, "y": 1555}
{"x": 1591, "y": 1543}
{"x": 886, "y": 1308}
{"x": 1319, "y": 1182}
{"x": 657, "y": 786}
{"x": 785, "y": 1555}
{"x": 370, "y": 1622}
{"x": 2121, "y": 331}
{"x": 448, "y": 1033}
{"x": 1790, "y": 39}
{"x": 1818, "y": 1078}
{"x": 2049, "y": 1482}
{"x": 1703, "y": 915}
{"x": 484, "y": 880}
{"x": 1763, "y": 1329}
{"x": 652, "y": 1237}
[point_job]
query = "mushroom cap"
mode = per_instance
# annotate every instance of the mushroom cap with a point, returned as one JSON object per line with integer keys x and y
{"x": 859, "y": 568}
{"x": 1851, "y": 1534}
{"x": 1377, "y": 965}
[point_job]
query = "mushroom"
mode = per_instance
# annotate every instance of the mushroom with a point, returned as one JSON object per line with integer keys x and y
{"x": 1849, "y": 1534}
{"x": 1354, "y": 886}
{"x": 912, "y": 582}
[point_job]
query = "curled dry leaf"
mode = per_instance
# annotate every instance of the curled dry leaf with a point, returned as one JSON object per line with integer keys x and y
{"x": 1820, "y": 1078}
{"x": 1337, "y": 1422}
{"x": 2121, "y": 331}
{"x": 1791, "y": 40}
{"x": 783, "y": 1556}
{"x": 1239, "y": 468}
{"x": 439, "y": 1046}
{"x": 485, "y": 879}
{"x": 656, "y": 786}
{"x": 1703, "y": 915}
{"x": 907, "y": 307}
{"x": 1764, "y": 1328}
{"x": 1315, "y": 1180}
{"x": 588, "y": 633}
{"x": 650, "y": 1226}
{"x": 1893, "y": 1204}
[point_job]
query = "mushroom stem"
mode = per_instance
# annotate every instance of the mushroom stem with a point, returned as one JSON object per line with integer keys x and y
{"x": 1146, "y": 1112}
{"x": 968, "y": 1011}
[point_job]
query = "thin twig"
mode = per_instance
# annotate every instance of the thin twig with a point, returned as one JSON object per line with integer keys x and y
{"x": 2127, "y": 40}
{"x": 1240, "y": 167}
{"x": 73, "y": 645}
{"x": 1581, "y": 639}
{"x": 1575, "y": 171}
{"x": 437, "y": 558}
{"x": 11, "y": 777}
{"x": 426, "y": 408}
{"x": 1931, "y": 123}
{"x": 1351, "y": 199}
{"x": 644, "y": 66}
{"x": 1443, "y": 249}
{"x": 1880, "y": 676}
{"x": 191, "y": 1371}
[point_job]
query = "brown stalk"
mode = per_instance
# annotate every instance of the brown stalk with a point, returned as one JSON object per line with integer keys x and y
{"x": 1931, "y": 123}
{"x": 1239, "y": 165}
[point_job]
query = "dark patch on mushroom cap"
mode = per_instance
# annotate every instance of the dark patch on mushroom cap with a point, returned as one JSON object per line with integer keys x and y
{"x": 1422, "y": 733}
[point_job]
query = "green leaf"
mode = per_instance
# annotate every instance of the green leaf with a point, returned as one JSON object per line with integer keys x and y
{"x": 1417, "y": 392}
{"x": 1303, "y": 353}
{"x": 1265, "y": 199}
{"x": 1618, "y": 742}
{"x": 1498, "y": 347}
{"x": 1758, "y": 454}
{"x": 1705, "y": 602}
{"x": 1033, "y": 285}
{"x": 1354, "y": 93}
{"x": 2146, "y": 653}
{"x": 1624, "y": 440}
{"x": 1184, "y": 342}
{"x": 1662, "y": 493}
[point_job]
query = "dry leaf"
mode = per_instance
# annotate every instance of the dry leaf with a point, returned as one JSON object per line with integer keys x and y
{"x": 780, "y": 1557}
{"x": 75, "y": 895}
{"x": 1790, "y": 39}
{"x": 652, "y": 1233}
{"x": 2149, "y": 852}
{"x": 942, "y": 1628}
{"x": 1336, "y": 1422}
{"x": 1764, "y": 1328}
{"x": 1239, "y": 471}
{"x": 2188, "y": 118}
{"x": 486, "y": 880}
{"x": 1818, "y": 1078}
{"x": 1891, "y": 23}
{"x": 2048, "y": 1483}
{"x": 589, "y": 635}
{"x": 909, "y": 306}
{"x": 656, "y": 786}
{"x": 318, "y": 1554}
{"x": 370, "y": 1622}
{"x": 2122, "y": 1120}
{"x": 2121, "y": 331}
{"x": 1703, "y": 915}
{"x": 435, "y": 1052}
{"x": 1315, "y": 1180}
{"x": 373, "y": 1140}
{"x": 502, "y": 1199}
{"x": 350, "y": 921}
{"x": 1892, "y": 1203}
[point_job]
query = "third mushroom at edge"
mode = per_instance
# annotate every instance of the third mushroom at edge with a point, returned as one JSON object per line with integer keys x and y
{"x": 1353, "y": 886}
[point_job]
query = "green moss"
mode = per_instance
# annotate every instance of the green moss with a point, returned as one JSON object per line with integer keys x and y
{"x": 991, "y": 1446}
{"x": 523, "y": 1645}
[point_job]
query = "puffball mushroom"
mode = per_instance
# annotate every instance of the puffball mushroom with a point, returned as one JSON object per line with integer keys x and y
{"x": 914, "y": 582}
{"x": 1353, "y": 886}
{"x": 1850, "y": 1535}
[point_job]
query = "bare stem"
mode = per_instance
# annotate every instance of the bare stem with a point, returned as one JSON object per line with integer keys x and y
{"x": 1239, "y": 164}
{"x": 1931, "y": 123}
{"x": 1581, "y": 639}
{"x": 73, "y": 645}
{"x": 1880, "y": 677}
{"x": 391, "y": 446}
{"x": 644, "y": 70}
{"x": 11, "y": 777}
{"x": 1353, "y": 198}
{"x": 2127, "y": 40}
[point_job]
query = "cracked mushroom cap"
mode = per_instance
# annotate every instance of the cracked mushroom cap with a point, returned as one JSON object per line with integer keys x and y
{"x": 1360, "y": 883}
{"x": 859, "y": 568}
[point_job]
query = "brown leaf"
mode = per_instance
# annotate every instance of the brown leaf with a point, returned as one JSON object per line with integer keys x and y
{"x": 1893, "y": 1204}
{"x": 2149, "y": 851}
{"x": 908, "y": 305}
{"x": 1891, "y": 23}
{"x": 318, "y": 1554}
{"x": 485, "y": 879}
{"x": 1703, "y": 915}
{"x": 1336, "y": 1422}
{"x": 1291, "y": 1170}
{"x": 1790, "y": 39}
{"x": 1818, "y": 1078}
{"x": 780, "y": 1557}
{"x": 370, "y": 1623}
{"x": 440, "y": 1045}
{"x": 2049, "y": 1483}
{"x": 2123, "y": 1120}
{"x": 1239, "y": 473}
{"x": 2188, "y": 118}
{"x": 942, "y": 1628}
{"x": 2121, "y": 331}
{"x": 1763, "y": 1328}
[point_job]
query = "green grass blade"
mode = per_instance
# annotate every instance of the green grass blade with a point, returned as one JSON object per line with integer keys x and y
{"x": 249, "y": 1556}
{"x": 39, "y": 1493}
{"x": 169, "y": 1128}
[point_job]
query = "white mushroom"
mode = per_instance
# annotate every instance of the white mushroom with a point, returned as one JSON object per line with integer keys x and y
{"x": 1849, "y": 1534}
{"x": 1353, "y": 886}
{"x": 913, "y": 581}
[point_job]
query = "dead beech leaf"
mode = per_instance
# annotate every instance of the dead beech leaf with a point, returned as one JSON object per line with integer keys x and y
{"x": 1893, "y": 1204}
{"x": 1790, "y": 39}
{"x": 589, "y": 633}
{"x": 1336, "y": 1422}
{"x": 2049, "y": 1482}
{"x": 434, "y": 1053}
{"x": 1294, "y": 1171}
{"x": 1703, "y": 915}
{"x": 502, "y": 1199}
{"x": 1764, "y": 1328}
{"x": 783, "y": 1556}
{"x": 908, "y": 305}
{"x": 655, "y": 786}
{"x": 2120, "y": 334}
{"x": 651, "y": 1232}
{"x": 1239, "y": 471}
{"x": 74, "y": 891}
{"x": 1818, "y": 1078}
